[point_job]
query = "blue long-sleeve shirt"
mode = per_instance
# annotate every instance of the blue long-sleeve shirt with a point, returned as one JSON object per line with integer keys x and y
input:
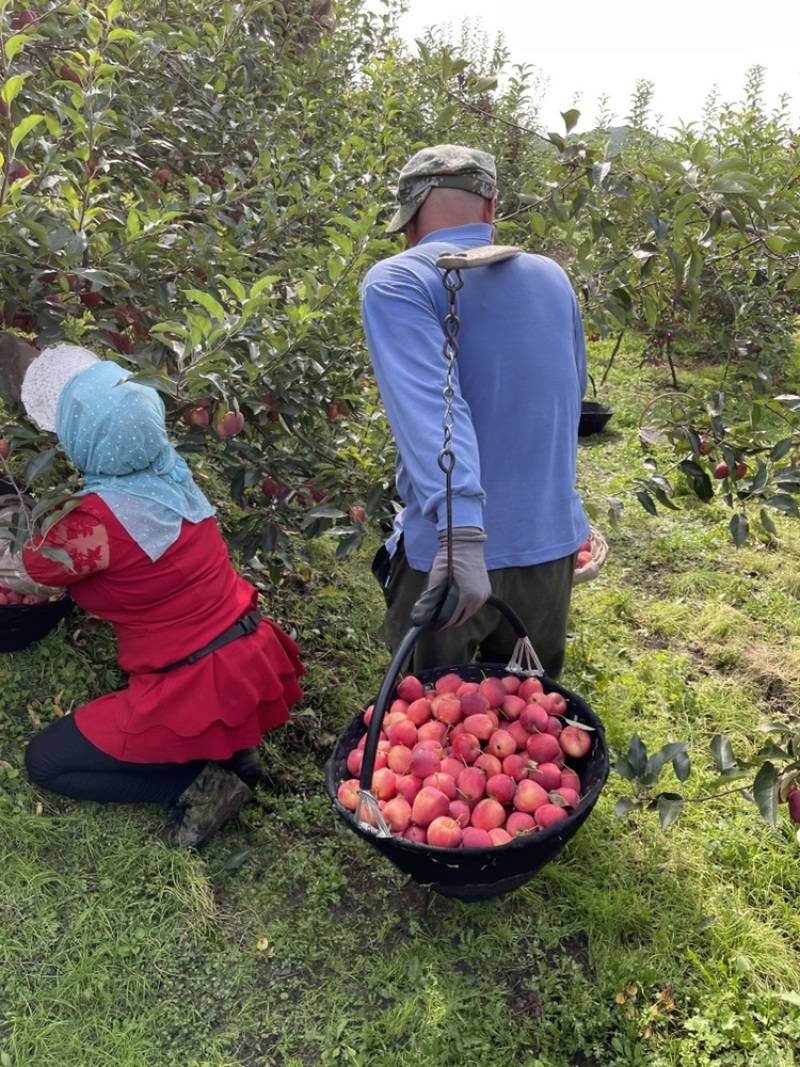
{"x": 519, "y": 377}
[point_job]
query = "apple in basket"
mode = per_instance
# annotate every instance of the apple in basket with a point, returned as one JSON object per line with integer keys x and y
{"x": 471, "y": 764}
{"x": 12, "y": 597}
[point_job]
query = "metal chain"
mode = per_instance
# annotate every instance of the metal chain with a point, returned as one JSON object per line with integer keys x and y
{"x": 447, "y": 459}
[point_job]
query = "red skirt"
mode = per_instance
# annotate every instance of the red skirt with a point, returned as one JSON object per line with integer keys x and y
{"x": 224, "y": 702}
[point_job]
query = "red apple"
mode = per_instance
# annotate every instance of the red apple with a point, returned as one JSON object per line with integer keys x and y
{"x": 419, "y": 711}
{"x": 432, "y": 730}
{"x": 23, "y": 19}
{"x": 558, "y": 703}
{"x": 445, "y": 783}
{"x": 481, "y": 725}
{"x": 410, "y": 688}
{"x": 444, "y": 832}
{"x": 402, "y": 732}
{"x": 500, "y": 836}
{"x": 423, "y": 761}
{"x": 570, "y": 779}
{"x": 519, "y": 733}
{"x": 488, "y": 814}
{"x": 544, "y": 748}
{"x": 566, "y": 797}
{"x": 446, "y": 707}
{"x": 548, "y": 814}
{"x": 474, "y": 837}
{"x": 398, "y": 759}
{"x": 384, "y": 784}
{"x": 416, "y": 834}
{"x": 397, "y": 813}
{"x": 471, "y": 784}
{"x": 502, "y": 787}
{"x": 548, "y": 775}
{"x": 196, "y": 416}
{"x": 69, "y": 74}
{"x": 429, "y": 804}
{"x": 530, "y": 687}
{"x": 231, "y": 423}
{"x": 520, "y": 822}
{"x": 355, "y": 759}
{"x": 501, "y": 744}
{"x": 466, "y": 747}
{"x": 488, "y": 764}
{"x": 408, "y": 785}
{"x": 574, "y": 741}
{"x": 447, "y": 683}
{"x": 517, "y": 766}
{"x": 347, "y": 794}
{"x": 529, "y": 796}
{"x": 721, "y": 470}
{"x": 533, "y": 717}
{"x": 512, "y": 706}
{"x": 473, "y": 702}
{"x": 493, "y": 689}
{"x": 460, "y": 811}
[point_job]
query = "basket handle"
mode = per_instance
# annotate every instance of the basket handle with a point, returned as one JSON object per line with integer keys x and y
{"x": 393, "y": 670}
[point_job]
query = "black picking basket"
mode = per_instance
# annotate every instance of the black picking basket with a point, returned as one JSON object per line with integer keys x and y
{"x": 594, "y": 415}
{"x": 23, "y": 624}
{"x": 470, "y": 874}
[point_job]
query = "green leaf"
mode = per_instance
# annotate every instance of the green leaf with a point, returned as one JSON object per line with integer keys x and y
{"x": 664, "y": 755}
{"x": 206, "y": 300}
{"x": 765, "y": 793}
{"x": 722, "y": 753}
{"x": 39, "y": 464}
{"x": 236, "y": 860}
{"x": 570, "y": 118}
{"x": 740, "y": 529}
{"x": 625, "y": 805}
{"x": 13, "y": 85}
{"x": 537, "y": 223}
{"x": 682, "y": 765}
{"x": 669, "y": 807}
{"x": 647, "y": 502}
{"x": 29, "y": 123}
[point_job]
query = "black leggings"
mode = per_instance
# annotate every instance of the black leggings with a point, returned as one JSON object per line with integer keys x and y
{"x": 62, "y": 760}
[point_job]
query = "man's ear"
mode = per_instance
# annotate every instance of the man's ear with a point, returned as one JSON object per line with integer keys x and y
{"x": 489, "y": 210}
{"x": 411, "y": 233}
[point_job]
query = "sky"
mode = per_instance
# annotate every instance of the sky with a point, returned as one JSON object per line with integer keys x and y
{"x": 588, "y": 49}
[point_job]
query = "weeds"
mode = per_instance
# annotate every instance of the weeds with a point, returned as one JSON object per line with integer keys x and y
{"x": 289, "y": 943}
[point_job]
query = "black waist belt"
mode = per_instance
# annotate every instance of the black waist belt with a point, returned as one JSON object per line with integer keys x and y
{"x": 246, "y": 625}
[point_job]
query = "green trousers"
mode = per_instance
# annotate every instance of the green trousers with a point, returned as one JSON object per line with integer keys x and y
{"x": 540, "y": 595}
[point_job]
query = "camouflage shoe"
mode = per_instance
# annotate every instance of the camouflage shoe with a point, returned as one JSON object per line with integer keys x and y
{"x": 246, "y": 763}
{"x": 215, "y": 796}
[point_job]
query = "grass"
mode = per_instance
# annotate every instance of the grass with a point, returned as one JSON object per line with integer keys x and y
{"x": 290, "y": 943}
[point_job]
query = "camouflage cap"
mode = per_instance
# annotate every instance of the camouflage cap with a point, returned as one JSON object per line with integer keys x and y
{"x": 448, "y": 166}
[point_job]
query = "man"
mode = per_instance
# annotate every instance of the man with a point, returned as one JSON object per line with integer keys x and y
{"x": 518, "y": 379}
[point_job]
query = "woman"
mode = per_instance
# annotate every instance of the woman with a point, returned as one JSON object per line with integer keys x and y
{"x": 139, "y": 546}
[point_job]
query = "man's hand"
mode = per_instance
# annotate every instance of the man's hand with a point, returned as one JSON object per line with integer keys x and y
{"x": 443, "y": 605}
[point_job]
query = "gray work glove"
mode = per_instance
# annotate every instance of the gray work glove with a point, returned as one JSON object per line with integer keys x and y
{"x": 441, "y": 606}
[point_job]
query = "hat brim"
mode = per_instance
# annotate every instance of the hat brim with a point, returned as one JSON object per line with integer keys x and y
{"x": 46, "y": 377}
{"x": 406, "y": 212}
